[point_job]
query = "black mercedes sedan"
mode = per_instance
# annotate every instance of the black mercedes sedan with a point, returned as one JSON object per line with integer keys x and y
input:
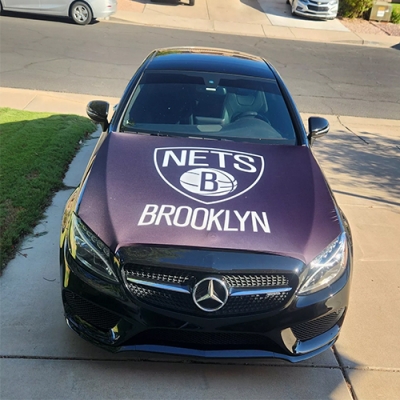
{"x": 203, "y": 226}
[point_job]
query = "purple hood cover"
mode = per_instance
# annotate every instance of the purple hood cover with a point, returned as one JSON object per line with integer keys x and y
{"x": 209, "y": 194}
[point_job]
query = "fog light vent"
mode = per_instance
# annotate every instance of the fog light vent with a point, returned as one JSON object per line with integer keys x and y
{"x": 310, "y": 329}
{"x": 89, "y": 312}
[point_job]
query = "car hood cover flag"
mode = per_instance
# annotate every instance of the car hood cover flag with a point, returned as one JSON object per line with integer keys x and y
{"x": 144, "y": 189}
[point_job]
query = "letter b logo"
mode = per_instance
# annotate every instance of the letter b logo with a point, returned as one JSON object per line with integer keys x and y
{"x": 208, "y": 181}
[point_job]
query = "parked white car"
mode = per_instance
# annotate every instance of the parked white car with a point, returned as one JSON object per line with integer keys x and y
{"x": 81, "y": 11}
{"x": 316, "y": 9}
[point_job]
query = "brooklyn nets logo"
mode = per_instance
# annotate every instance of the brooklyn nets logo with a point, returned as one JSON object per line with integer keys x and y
{"x": 208, "y": 175}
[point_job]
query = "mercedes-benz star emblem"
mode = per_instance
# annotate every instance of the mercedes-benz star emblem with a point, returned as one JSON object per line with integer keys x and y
{"x": 210, "y": 294}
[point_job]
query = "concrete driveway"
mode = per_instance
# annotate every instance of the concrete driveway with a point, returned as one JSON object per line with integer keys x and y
{"x": 262, "y": 18}
{"x": 279, "y": 14}
{"x": 43, "y": 359}
{"x": 269, "y": 12}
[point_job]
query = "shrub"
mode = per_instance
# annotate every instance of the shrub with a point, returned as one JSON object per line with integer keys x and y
{"x": 395, "y": 18}
{"x": 354, "y": 8}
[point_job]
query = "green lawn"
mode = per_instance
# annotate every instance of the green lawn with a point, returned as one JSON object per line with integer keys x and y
{"x": 35, "y": 151}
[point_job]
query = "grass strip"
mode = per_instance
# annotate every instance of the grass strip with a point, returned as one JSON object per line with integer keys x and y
{"x": 35, "y": 151}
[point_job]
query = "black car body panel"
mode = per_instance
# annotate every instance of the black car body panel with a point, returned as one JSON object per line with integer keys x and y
{"x": 192, "y": 239}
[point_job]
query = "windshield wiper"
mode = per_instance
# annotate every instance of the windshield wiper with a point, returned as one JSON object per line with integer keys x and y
{"x": 141, "y": 131}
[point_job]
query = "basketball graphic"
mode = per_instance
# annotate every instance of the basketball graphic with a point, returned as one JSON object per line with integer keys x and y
{"x": 208, "y": 175}
{"x": 208, "y": 182}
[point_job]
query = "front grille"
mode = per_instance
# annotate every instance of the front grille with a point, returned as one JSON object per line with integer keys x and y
{"x": 179, "y": 276}
{"x": 318, "y": 8}
{"x": 94, "y": 315}
{"x": 310, "y": 329}
{"x": 183, "y": 302}
{"x": 204, "y": 340}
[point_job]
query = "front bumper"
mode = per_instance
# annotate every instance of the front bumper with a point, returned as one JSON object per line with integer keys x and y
{"x": 104, "y": 8}
{"x": 109, "y": 316}
{"x": 311, "y": 9}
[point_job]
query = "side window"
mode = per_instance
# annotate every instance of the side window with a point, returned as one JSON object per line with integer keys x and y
{"x": 279, "y": 117}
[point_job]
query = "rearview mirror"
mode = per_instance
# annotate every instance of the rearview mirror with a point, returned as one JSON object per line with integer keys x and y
{"x": 317, "y": 127}
{"x": 97, "y": 110}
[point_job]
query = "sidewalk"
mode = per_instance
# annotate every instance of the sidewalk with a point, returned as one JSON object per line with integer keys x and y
{"x": 263, "y": 18}
{"x": 42, "y": 358}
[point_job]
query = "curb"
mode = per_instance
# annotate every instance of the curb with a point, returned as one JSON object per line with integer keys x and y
{"x": 358, "y": 41}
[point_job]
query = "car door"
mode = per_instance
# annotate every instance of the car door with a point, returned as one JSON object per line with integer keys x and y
{"x": 21, "y": 5}
{"x": 55, "y": 7}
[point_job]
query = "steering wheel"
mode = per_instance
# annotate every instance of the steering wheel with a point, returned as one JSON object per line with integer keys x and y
{"x": 250, "y": 114}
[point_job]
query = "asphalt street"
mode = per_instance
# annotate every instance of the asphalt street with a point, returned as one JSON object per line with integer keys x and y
{"x": 101, "y": 58}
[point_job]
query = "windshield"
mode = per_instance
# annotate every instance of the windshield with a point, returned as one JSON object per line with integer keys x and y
{"x": 217, "y": 106}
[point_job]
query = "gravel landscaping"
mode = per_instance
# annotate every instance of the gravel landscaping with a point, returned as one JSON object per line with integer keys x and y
{"x": 372, "y": 27}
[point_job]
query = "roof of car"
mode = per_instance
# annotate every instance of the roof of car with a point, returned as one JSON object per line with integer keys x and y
{"x": 203, "y": 59}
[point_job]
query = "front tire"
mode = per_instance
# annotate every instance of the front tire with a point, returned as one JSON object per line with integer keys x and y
{"x": 191, "y": 2}
{"x": 81, "y": 13}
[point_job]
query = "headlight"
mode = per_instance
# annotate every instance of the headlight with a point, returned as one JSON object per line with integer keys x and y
{"x": 327, "y": 266}
{"x": 89, "y": 250}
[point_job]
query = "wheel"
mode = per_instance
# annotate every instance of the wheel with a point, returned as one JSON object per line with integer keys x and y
{"x": 191, "y": 2}
{"x": 81, "y": 13}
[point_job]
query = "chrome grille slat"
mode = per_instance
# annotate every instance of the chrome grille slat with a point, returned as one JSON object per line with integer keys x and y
{"x": 253, "y": 280}
{"x": 159, "y": 274}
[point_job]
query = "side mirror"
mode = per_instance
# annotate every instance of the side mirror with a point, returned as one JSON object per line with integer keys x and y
{"x": 97, "y": 110}
{"x": 317, "y": 127}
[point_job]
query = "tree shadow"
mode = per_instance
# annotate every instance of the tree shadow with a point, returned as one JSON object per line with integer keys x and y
{"x": 368, "y": 170}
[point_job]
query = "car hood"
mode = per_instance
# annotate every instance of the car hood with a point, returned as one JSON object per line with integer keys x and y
{"x": 144, "y": 189}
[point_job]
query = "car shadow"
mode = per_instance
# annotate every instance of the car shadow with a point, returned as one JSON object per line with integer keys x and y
{"x": 253, "y": 4}
{"x": 165, "y": 2}
{"x": 396, "y": 46}
{"x": 274, "y": 7}
{"x": 41, "y": 17}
